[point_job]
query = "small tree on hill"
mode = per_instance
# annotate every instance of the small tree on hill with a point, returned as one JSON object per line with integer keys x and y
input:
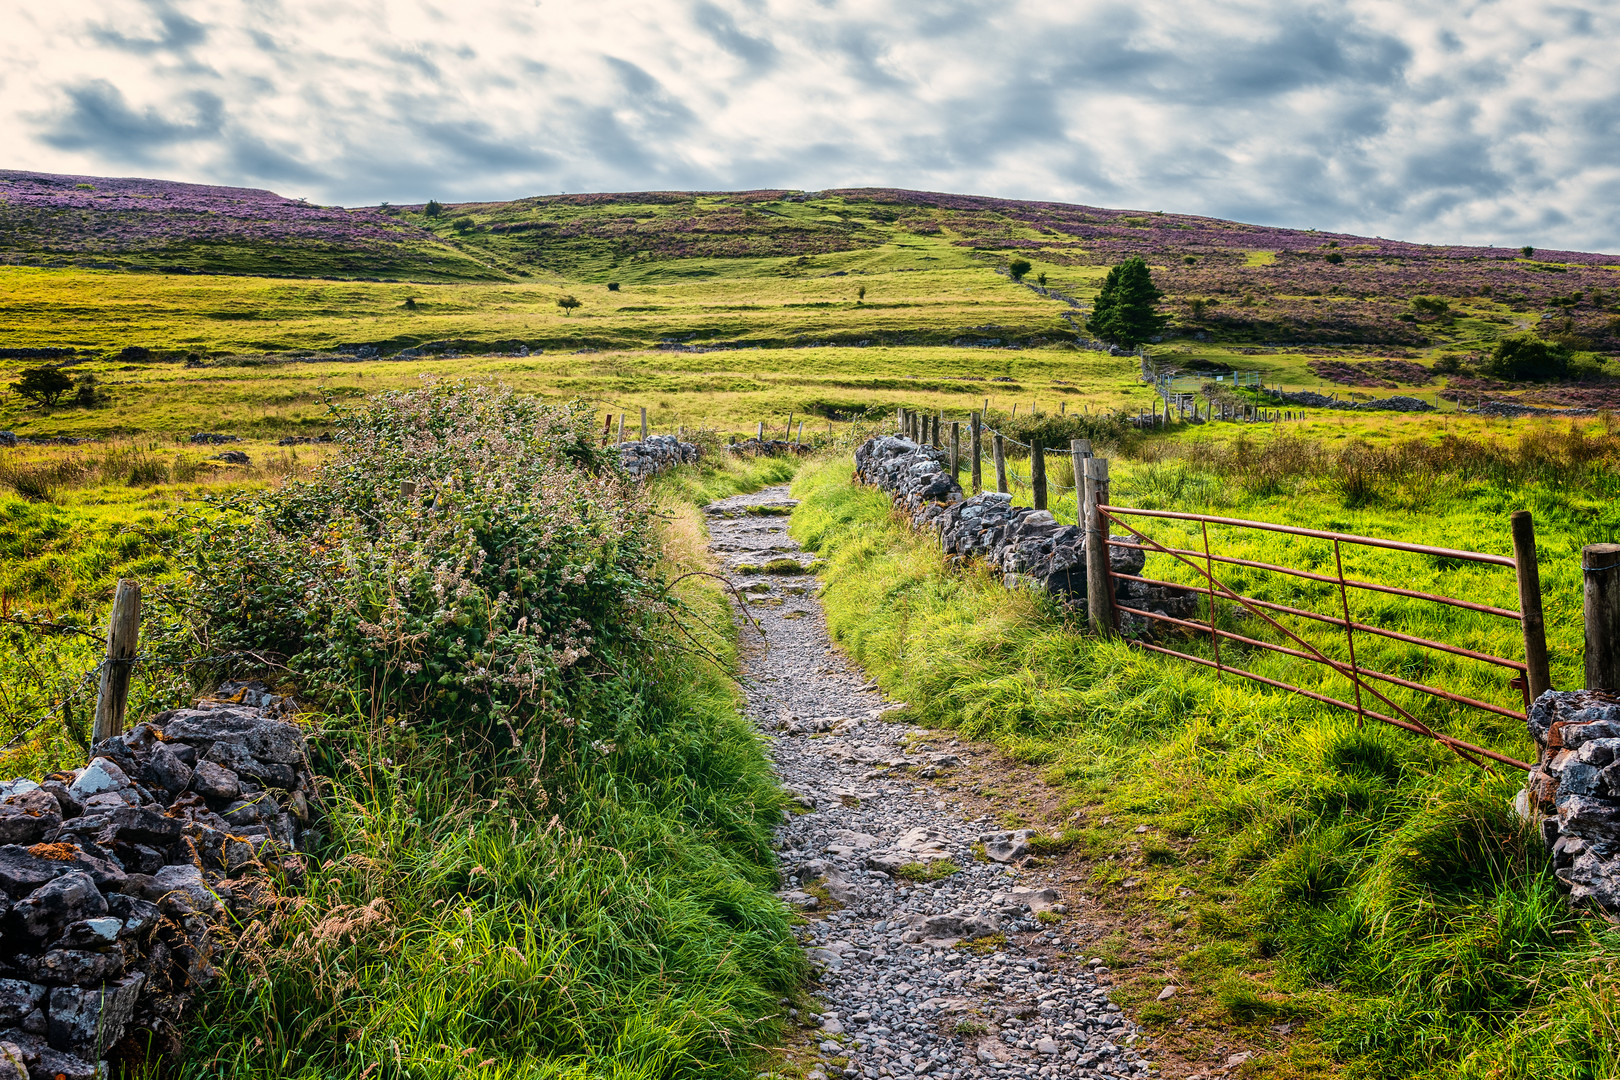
{"x": 1018, "y": 268}
{"x": 1527, "y": 358}
{"x": 433, "y": 208}
{"x": 44, "y": 386}
{"x": 568, "y": 303}
{"x": 1527, "y": 251}
{"x": 1125, "y": 312}
{"x": 613, "y": 286}
{"x": 860, "y": 295}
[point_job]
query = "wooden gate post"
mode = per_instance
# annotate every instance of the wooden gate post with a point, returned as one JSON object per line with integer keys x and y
{"x": 123, "y": 639}
{"x": 1037, "y": 472}
{"x": 976, "y": 451}
{"x": 1537, "y": 676}
{"x": 1099, "y": 585}
{"x": 900, "y": 419}
{"x": 1600, "y": 563}
{"x": 999, "y": 448}
{"x": 956, "y": 449}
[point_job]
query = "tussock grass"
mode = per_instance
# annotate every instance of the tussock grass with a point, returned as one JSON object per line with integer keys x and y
{"x": 1360, "y": 879}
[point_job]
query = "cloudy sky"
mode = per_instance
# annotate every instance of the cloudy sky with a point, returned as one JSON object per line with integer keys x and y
{"x": 1436, "y": 120}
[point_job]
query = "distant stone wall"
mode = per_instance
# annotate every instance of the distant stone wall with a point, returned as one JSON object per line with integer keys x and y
{"x": 119, "y": 881}
{"x": 1028, "y": 546}
{"x": 770, "y": 448}
{"x": 1573, "y": 793}
{"x": 654, "y": 454}
{"x": 1395, "y": 403}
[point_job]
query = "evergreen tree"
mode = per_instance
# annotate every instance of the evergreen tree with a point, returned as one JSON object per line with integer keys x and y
{"x": 1126, "y": 310}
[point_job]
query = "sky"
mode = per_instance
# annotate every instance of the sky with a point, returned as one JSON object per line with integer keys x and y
{"x": 1430, "y": 120}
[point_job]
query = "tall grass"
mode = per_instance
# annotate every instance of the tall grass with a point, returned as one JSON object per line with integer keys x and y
{"x": 1372, "y": 885}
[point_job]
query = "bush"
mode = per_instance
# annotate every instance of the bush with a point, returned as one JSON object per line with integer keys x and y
{"x": 433, "y": 208}
{"x": 1333, "y": 257}
{"x": 1018, "y": 268}
{"x": 1526, "y": 357}
{"x": 463, "y": 224}
{"x": 44, "y": 386}
{"x": 613, "y": 286}
{"x": 1449, "y": 364}
{"x": 1430, "y": 305}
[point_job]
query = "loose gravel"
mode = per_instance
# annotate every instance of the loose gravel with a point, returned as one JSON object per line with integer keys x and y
{"x": 964, "y": 975}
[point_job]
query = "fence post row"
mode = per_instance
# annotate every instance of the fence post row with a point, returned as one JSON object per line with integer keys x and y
{"x": 1538, "y": 679}
{"x": 999, "y": 449}
{"x": 1099, "y": 582}
{"x": 123, "y": 640}
{"x": 1037, "y": 472}
{"x": 1600, "y": 565}
{"x": 977, "y": 451}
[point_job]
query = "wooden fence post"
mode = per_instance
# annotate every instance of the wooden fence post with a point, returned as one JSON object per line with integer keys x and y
{"x": 1099, "y": 585}
{"x": 1079, "y": 451}
{"x": 621, "y": 428}
{"x": 644, "y": 423}
{"x": 1037, "y": 472}
{"x": 900, "y": 418}
{"x": 787, "y": 432}
{"x": 759, "y": 436}
{"x": 1600, "y": 563}
{"x": 956, "y": 449}
{"x": 999, "y": 448}
{"x": 1530, "y": 618}
{"x": 799, "y": 439}
{"x": 123, "y": 638}
{"x": 976, "y": 450}
{"x": 607, "y": 428}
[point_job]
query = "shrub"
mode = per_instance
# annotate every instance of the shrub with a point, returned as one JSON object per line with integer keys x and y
{"x": 85, "y": 392}
{"x": 1449, "y": 364}
{"x": 613, "y": 286}
{"x": 463, "y": 224}
{"x": 568, "y": 303}
{"x": 1018, "y": 268}
{"x": 44, "y": 386}
{"x": 1527, "y": 251}
{"x": 1526, "y": 357}
{"x": 433, "y": 208}
{"x": 1430, "y": 305}
{"x": 1333, "y": 257}
{"x": 134, "y": 354}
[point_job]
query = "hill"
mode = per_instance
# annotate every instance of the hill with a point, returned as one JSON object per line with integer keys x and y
{"x": 1224, "y": 280}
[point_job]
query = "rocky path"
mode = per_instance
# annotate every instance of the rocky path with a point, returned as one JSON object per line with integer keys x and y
{"x": 939, "y": 952}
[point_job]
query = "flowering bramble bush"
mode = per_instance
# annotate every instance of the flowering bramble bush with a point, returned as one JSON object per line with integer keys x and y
{"x": 481, "y": 604}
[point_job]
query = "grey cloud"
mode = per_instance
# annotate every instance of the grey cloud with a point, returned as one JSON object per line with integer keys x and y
{"x": 99, "y": 119}
{"x": 177, "y": 32}
{"x": 757, "y": 52}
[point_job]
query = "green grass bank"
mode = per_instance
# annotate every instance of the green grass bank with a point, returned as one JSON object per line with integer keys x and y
{"x": 1358, "y": 885}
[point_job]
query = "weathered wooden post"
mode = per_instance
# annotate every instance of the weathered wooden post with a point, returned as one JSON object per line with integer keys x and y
{"x": 1600, "y": 563}
{"x": 1099, "y": 583}
{"x": 644, "y": 423}
{"x": 621, "y": 428}
{"x": 1537, "y": 676}
{"x": 787, "y": 432}
{"x": 407, "y": 488}
{"x": 999, "y": 449}
{"x": 1079, "y": 451}
{"x": 976, "y": 449}
{"x": 607, "y": 428}
{"x": 1037, "y": 472}
{"x": 123, "y": 638}
{"x": 900, "y": 419}
{"x": 799, "y": 439}
{"x": 956, "y": 449}
{"x": 759, "y": 436}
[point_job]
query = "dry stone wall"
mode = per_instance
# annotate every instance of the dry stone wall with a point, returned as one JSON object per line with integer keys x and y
{"x": 1028, "y": 546}
{"x": 120, "y": 881}
{"x": 654, "y": 454}
{"x": 1573, "y": 793}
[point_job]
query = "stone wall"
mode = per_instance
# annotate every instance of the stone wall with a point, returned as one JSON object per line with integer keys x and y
{"x": 770, "y": 448}
{"x": 119, "y": 881}
{"x": 1573, "y": 793}
{"x": 1028, "y": 546}
{"x": 1396, "y": 403}
{"x": 654, "y": 454}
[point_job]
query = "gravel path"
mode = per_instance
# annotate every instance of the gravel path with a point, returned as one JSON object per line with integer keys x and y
{"x": 963, "y": 976}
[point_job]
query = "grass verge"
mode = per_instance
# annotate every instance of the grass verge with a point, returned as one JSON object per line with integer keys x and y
{"x": 1303, "y": 874}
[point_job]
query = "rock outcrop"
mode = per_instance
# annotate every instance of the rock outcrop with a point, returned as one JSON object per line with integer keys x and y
{"x": 118, "y": 881}
{"x": 1573, "y": 793}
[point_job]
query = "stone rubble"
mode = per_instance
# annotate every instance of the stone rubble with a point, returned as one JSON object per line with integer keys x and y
{"x": 1573, "y": 793}
{"x": 967, "y": 975}
{"x": 1028, "y": 546}
{"x": 655, "y": 454}
{"x": 117, "y": 879}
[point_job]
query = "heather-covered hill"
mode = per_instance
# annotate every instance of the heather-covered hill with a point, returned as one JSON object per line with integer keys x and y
{"x": 135, "y": 224}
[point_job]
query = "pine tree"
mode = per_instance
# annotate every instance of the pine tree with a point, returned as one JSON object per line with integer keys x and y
{"x": 1125, "y": 312}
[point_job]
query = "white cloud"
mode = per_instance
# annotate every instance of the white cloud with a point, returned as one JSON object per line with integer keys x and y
{"x": 1425, "y": 119}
